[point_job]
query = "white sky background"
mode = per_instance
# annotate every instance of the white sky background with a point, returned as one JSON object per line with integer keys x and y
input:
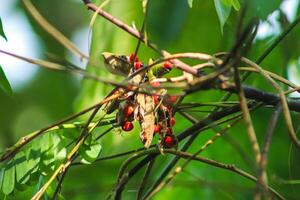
{"x": 23, "y": 41}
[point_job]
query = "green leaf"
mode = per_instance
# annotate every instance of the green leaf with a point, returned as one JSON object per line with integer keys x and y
{"x": 4, "y": 84}
{"x": 190, "y": 2}
{"x": 33, "y": 155}
{"x": 8, "y": 182}
{"x": 1, "y": 175}
{"x": 236, "y": 4}
{"x": 223, "y": 8}
{"x": 60, "y": 154}
{"x": 1, "y": 31}
{"x": 39, "y": 183}
{"x": 90, "y": 153}
{"x": 55, "y": 150}
{"x": 22, "y": 168}
{"x": 70, "y": 133}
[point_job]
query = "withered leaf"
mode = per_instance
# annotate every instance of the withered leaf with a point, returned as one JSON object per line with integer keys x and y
{"x": 147, "y": 118}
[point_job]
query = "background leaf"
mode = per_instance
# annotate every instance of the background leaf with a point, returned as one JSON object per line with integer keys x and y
{"x": 236, "y": 4}
{"x": 2, "y": 31}
{"x": 190, "y": 2}
{"x": 4, "y": 84}
{"x": 223, "y": 10}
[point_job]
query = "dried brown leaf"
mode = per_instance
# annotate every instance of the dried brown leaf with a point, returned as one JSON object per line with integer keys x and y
{"x": 147, "y": 119}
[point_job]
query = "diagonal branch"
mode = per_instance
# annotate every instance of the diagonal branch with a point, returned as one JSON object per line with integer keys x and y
{"x": 246, "y": 115}
{"x": 135, "y": 33}
{"x": 181, "y": 168}
{"x": 193, "y": 131}
{"x": 262, "y": 179}
{"x": 210, "y": 162}
{"x": 52, "y": 31}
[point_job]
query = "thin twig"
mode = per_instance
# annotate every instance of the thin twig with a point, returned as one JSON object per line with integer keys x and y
{"x": 181, "y": 168}
{"x": 226, "y": 137}
{"x": 104, "y": 133}
{"x": 193, "y": 132}
{"x": 210, "y": 162}
{"x": 145, "y": 179}
{"x": 61, "y": 126}
{"x": 278, "y": 39}
{"x": 246, "y": 115}
{"x": 135, "y": 33}
{"x": 191, "y": 70}
{"x": 60, "y": 67}
{"x": 262, "y": 96}
{"x": 185, "y": 147}
{"x": 284, "y": 103}
{"x": 84, "y": 133}
{"x": 10, "y": 152}
{"x": 59, "y": 184}
{"x": 269, "y": 50}
{"x": 273, "y": 75}
{"x": 52, "y": 30}
{"x": 261, "y": 186}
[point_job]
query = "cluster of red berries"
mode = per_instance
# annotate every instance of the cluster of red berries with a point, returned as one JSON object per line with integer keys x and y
{"x": 164, "y": 119}
{"x": 138, "y": 64}
{"x": 125, "y": 118}
{"x": 163, "y": 123}
{"x": 128, "y": 113}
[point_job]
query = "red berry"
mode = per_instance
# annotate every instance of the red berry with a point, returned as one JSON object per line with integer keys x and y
{"x": 168, "y": 65}
{"x": 156, "y": 99}
{"x": 138, "y": 65}
{"x": 127, "y": 126}
{"x": 155, "y": 84}
{"x": 172, "y": 121}
{"x": 172, "y": 99}
{"x": 128, "y": 111}
{"x": 168, "y": 141}
{"x": 157, "y": 128}
{"x": 131, "y": 57}
{"x": 169, "y": 131}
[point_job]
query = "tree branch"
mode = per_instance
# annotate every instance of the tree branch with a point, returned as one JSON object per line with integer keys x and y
{"x": 210, "y": 162}
{"x": 135, "y": 33}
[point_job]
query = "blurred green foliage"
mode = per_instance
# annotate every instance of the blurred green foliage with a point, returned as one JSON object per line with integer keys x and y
{"x": 176, "y": 27}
